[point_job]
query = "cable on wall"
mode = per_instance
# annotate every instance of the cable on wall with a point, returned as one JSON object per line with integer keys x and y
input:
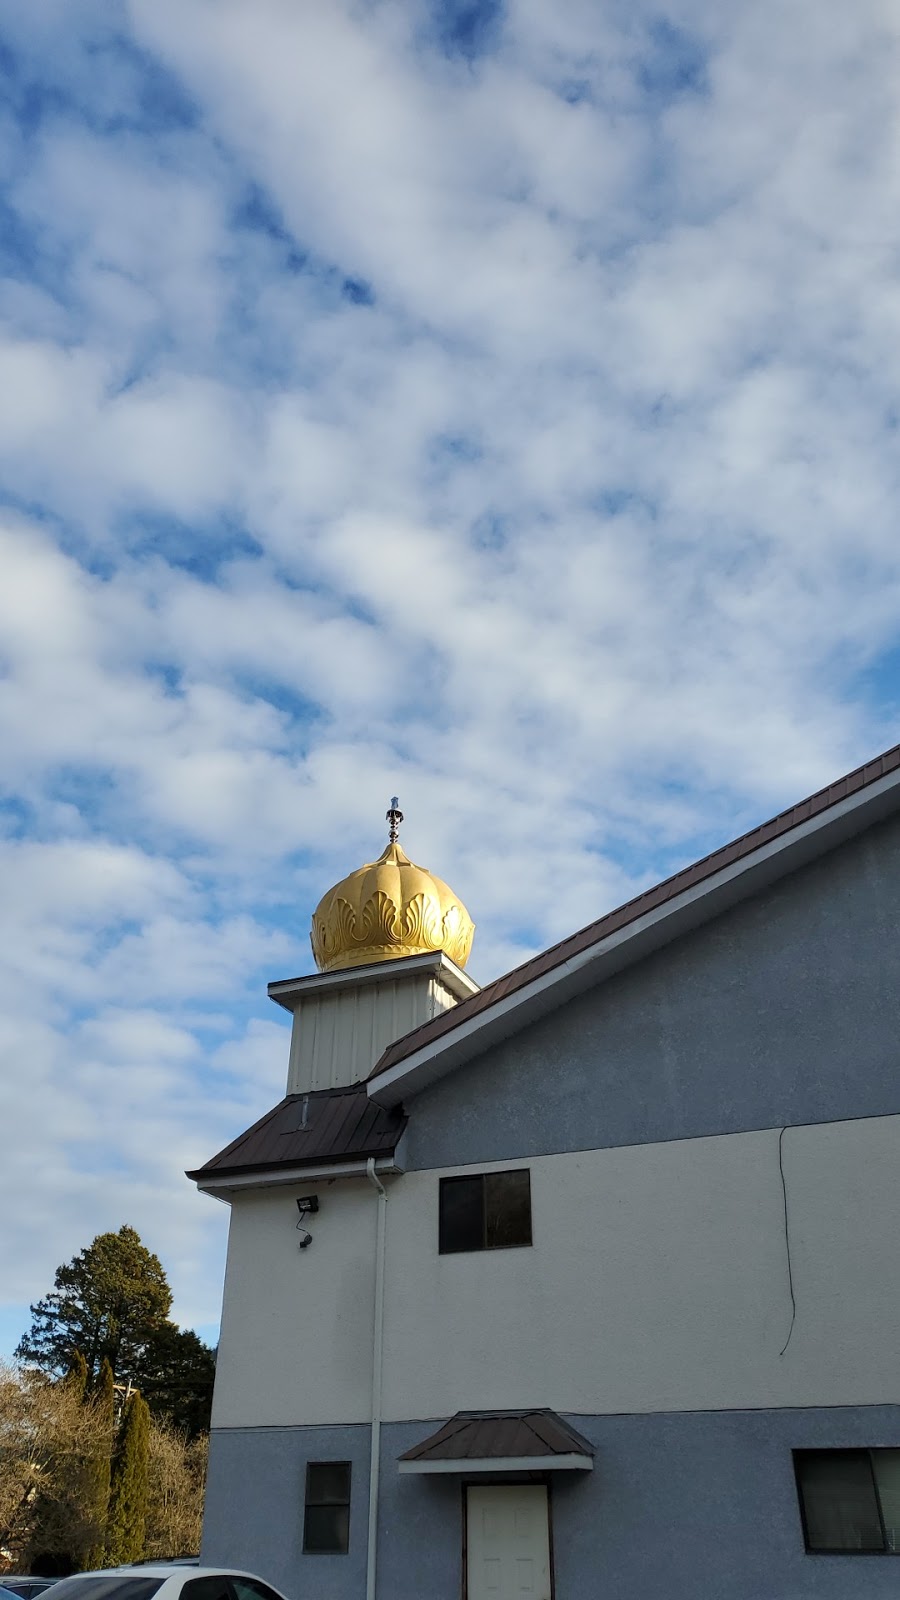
{"x": 787, "y": 1242}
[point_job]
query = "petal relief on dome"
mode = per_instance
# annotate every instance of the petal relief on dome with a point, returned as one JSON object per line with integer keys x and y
{"x": 380, "y": 920}
{"x": 342, "y": 925}
{"x": 422, "y": 922}
{"x": 335, "y": 931}
{"x": 458, "y": 930}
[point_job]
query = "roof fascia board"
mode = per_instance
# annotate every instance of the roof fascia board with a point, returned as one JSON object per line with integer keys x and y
{"x": 290, "y": 992}
{"x": 466, "y": 1464}
{"x": 274, "y": 1178}
{"x": 610, "y": 954}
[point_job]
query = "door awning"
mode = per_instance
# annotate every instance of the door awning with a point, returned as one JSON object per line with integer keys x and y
{"x": 501, "y": 1441}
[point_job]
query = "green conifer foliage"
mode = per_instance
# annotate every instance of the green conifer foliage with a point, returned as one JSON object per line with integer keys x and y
{"x": 112, "y": 1301}
{"x": 77, "y": 1375}
{"x": 177, "y": 1379}
{"x": 97, "y": 1485}
{"x": 105, "y": 1388}
{"x": 109, "y": 1300}
{"x": 126, "y": 1525}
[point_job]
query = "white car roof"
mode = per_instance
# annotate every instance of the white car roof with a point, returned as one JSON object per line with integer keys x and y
{"x": 183, "y": 1569}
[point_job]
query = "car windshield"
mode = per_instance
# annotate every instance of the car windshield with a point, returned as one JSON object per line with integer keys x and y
{"x": 107, "y": 1586}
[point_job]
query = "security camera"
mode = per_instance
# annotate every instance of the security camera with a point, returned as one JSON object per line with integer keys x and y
{"x": 305, "y": 1238}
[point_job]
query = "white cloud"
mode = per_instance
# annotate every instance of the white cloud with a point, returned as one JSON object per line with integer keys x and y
{"x": 517, "y": 434}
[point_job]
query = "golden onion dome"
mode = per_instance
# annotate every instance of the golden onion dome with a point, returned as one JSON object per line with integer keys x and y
{"x": 387, "y": 909}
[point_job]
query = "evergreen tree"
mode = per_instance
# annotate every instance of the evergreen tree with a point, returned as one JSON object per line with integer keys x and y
{"x": 77, "y": 1375}
{"x": 104, "y": 1390}
{"x": 126, "y": 1525}
{"x": 111, "y": 1302}
{"x": 107, "y": 1302}
{"x": 177, "y": 1379}
{"x": 97, "y": 1483}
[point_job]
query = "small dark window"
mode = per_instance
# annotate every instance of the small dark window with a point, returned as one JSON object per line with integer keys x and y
{"x": 253, "y": 1589}
{"x": 212, "y": 1587}
{"x": 326, "y": 1523}
{"x": 489, "y": 1212}
{"x": 118, "y": 1586}
{"x": 850, "y": 1500}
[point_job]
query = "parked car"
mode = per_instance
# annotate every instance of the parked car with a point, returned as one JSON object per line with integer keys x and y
{"x": 25, "y": 1585}
{"x": 166, "y": 1580}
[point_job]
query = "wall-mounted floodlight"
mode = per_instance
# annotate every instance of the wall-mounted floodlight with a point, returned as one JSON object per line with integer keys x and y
{"x": 307, "y": 1207}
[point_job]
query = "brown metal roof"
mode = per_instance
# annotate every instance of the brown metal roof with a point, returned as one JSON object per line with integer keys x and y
{"x": 500, "y": 1435}
{"x": 649, "y": 900}
{"x": 341, "y": 1125}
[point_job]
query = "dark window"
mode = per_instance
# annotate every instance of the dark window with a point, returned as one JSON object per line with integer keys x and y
{"x": 26, "y": 1586}
{"x": 326, "y": 1523}
{"x": 214, "y": 1586}
{"x": 850, "y": 1500}
{"x": 88, "y": 1586}
{"x": 489, "y": 1212}
{"x": 253, "y": 1589}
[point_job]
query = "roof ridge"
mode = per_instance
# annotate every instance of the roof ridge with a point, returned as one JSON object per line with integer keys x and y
{"x": 324, "y": 1094}
{"x": 656, "y": 894}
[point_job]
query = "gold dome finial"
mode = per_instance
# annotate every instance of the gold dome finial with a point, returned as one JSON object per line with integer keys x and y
{"x": 393, "y": 817}
{"x": 387, "y": 909}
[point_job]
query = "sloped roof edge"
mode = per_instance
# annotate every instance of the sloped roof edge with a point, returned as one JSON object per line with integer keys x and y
{"x": 687, "y": 898}
{"x": 524, "y": 1437}
{"x": 318, "y": 1128}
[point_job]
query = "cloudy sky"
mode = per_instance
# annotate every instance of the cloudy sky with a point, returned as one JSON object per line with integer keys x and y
{"x": 494, "y": 404}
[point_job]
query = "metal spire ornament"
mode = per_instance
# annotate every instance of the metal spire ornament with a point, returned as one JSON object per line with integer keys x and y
{"x": 393, "y": 817}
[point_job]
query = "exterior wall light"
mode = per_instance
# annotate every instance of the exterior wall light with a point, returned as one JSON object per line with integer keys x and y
{"x": 307, "y": 1207}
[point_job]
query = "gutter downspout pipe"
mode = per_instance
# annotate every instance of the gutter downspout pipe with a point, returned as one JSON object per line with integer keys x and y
{"x": 377, "y": 1365}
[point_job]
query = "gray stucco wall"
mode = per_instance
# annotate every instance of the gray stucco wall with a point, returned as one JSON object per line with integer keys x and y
{"x": 253, "y": 1513}
{"x": 689, "y": 1506}
{"x": 783, "y": 1010}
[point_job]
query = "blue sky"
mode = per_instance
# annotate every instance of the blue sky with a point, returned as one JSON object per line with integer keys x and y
{"x": 491, "y": 404}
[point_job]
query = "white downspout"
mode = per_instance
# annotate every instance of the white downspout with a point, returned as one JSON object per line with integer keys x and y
{"x": 377, "y": 1345}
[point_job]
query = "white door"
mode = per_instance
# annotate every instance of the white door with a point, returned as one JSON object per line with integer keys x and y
{"x": 507, "y": 1542}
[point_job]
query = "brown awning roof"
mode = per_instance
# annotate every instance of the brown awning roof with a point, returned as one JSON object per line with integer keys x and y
{"x": 492, "y": 1441}
{"x": 338, "y": 1125}
{"x": 559, "y": 954}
